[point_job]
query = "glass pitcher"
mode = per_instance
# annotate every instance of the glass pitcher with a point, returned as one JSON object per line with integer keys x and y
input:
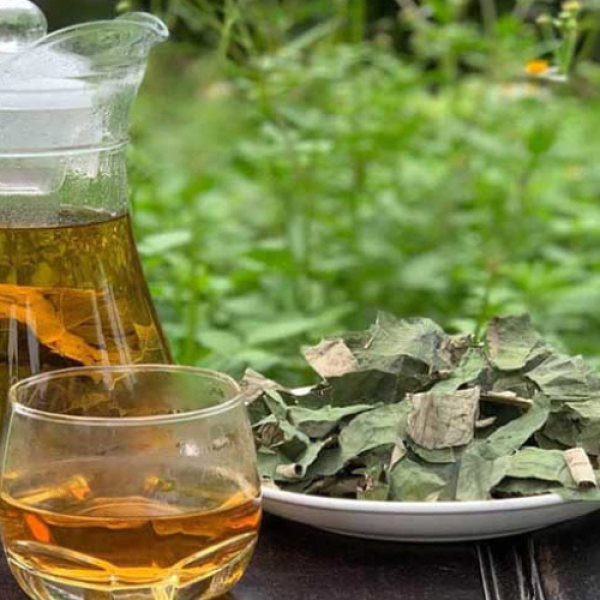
{"x": 72, "y": 290}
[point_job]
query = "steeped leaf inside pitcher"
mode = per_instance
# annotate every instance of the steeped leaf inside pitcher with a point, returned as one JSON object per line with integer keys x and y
{"x": 72, "y": 290}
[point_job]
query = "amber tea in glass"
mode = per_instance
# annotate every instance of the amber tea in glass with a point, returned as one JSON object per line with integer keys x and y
{"x": 141, "y": 484}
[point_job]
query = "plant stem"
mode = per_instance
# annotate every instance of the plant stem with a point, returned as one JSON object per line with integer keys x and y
{"x": 231, "y": 16}
{"x": 522, "y": 8}
{"x": 449, "y": 64}
{"x": 569, "y": 51}
{"x": 358, "y": 20}
{"x": 485, "y": 303}
{"x": 194, "y": 299}
{"x": 590, "y": 36}
{"x": 489, "y": 16}
{"x": 523, "y": 192}
{"x": 156, "y": 7}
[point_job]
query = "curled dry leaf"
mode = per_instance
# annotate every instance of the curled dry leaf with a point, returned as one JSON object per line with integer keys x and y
{"x": 507, "y": 399}
{"x": 580, "y": 467}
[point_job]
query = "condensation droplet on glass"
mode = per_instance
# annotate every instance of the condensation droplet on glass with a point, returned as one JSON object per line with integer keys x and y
{"x": 22, "y": 23}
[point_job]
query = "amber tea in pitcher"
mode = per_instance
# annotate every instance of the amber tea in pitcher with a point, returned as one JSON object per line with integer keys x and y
{"x": 73, "y": 294}
{"x": 72, "y": 290}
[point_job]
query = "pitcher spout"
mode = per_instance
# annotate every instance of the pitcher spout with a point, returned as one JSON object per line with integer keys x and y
{"x": 154, "y": 29}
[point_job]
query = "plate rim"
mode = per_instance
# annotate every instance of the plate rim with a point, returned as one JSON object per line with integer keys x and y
{"x": 416, "y": 508}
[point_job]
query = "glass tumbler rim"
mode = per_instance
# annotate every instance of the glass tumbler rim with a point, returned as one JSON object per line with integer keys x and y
{"x": 161, "y": 419}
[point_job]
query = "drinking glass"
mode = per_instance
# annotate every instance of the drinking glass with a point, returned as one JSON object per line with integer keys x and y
{"x": 128, "y": 483}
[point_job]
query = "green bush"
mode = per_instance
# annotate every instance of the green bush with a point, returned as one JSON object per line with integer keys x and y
{"x": 289, "y": 184}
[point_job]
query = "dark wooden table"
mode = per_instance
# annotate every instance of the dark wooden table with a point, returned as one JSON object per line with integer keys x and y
{"x": 294, "y": 562}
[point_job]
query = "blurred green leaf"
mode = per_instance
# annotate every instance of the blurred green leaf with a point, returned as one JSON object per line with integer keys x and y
{"x": 280, "y": 329}
{"x": 163, "y": 242}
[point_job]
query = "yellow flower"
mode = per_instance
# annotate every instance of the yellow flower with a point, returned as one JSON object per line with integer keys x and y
{"x": 537, "y": 67}
{"x": 571, "y": 6}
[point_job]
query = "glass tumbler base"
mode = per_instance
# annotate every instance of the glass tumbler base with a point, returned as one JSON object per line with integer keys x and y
{"x": 39, "y": 586}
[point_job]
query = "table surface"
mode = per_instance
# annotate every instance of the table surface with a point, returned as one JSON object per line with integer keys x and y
{"x": 294, "y": 562}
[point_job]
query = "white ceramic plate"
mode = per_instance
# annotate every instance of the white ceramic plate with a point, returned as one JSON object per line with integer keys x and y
{"x": 424, "y": 522}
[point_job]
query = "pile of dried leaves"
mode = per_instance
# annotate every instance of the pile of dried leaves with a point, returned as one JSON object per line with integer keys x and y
{"x": 405, "y": 411}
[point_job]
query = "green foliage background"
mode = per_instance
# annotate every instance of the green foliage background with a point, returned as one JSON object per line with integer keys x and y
{"x": 298, "y": 165}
